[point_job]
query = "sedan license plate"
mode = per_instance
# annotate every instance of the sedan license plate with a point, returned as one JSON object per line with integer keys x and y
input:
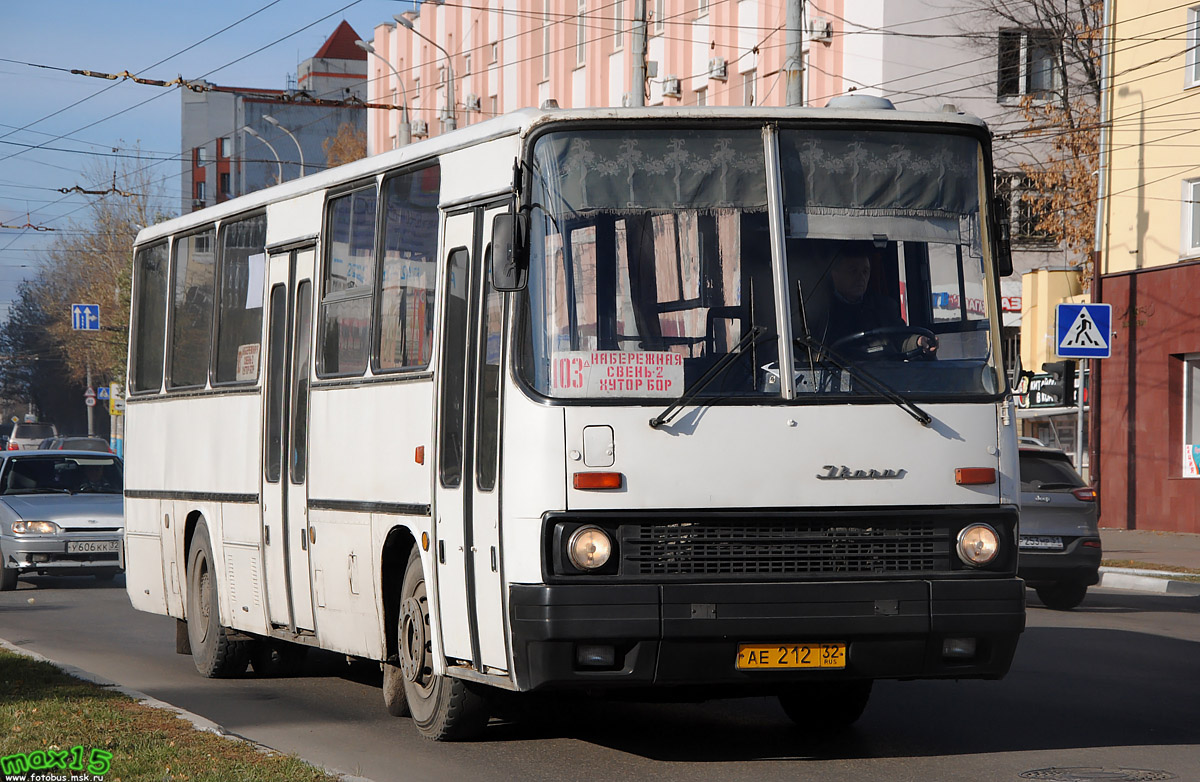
{"x": 1041, "y": 542}
{"x": 93, "y": 546}
{"x": 778, "y": 656}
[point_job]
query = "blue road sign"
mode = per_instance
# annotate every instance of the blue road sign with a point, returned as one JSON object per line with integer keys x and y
{"x": 85, "y": 317}
{"x": 102, "y": 392}
{"x": 1084, "y": 330}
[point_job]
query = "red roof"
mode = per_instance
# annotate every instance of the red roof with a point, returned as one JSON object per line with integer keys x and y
{"x": 340, "y": 45}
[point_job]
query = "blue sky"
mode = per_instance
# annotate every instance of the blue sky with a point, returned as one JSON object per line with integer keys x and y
{"x": 38, "y": 103}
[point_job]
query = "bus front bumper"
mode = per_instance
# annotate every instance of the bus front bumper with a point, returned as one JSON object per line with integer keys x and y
{"x": 662, "y": 635}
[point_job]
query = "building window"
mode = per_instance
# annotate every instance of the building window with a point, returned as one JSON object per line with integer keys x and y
{"x": 581, "y": 34}
{"x": 199, "y": 191}
{"x": 702, "y": 97}
{"x": 1191, "y": 416}
{"x": 618, "y": 8}
{"x": 750, "y": 88}
{"x": 201, "y": 156}
{"x": 494, "y": 104}
{"x": 1191, "y": 217}
{"x": 223, "y": 182}
{"x": 1017, "y": 191}
{"x": 703, "y": 9}
{"x": 660, "y": 15}
{"x": 223, "y": 147}
{"x": 467, "y": 64}
{"x": 495, "y": 52}
{"x": 1192, "y": 78}
{"x": 1027, "y": 63}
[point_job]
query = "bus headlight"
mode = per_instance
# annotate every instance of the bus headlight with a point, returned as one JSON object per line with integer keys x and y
{"x": 589, "y": 548}
{"x": 978, "y": 544}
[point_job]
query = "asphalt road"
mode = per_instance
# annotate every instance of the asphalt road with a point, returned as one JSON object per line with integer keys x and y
{"x": 1110, "y": 686}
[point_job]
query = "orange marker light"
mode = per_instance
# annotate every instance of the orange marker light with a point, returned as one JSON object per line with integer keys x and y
{"x": 419, "y": 454}
{"x": 597, "y": 480}
{"x": 974, "y": 476}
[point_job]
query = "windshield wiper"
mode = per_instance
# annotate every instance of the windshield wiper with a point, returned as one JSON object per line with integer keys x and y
{"x": 713, "y": 372}
{"x": 862, "y": 375}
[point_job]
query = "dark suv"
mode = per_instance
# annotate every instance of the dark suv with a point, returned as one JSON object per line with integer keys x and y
{"x": 1059, "y": 535}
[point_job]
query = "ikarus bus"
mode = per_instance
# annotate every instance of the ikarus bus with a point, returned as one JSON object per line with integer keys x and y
{"x": 695, "y": 402}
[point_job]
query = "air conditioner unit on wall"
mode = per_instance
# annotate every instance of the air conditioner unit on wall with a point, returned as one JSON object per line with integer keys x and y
{"x": 718, "y": 69}
{"x": 820, "y": 29}
{"x": 671, "y": 87}
{"x": 420, "y": 128}
{"x": 473, "y": 103}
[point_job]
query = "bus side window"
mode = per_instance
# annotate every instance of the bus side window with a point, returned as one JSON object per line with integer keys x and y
{"x": 149, "y": 318}
{"x": 348, "y": 284}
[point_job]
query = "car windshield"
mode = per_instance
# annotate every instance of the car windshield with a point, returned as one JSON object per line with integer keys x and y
{"x": 650, "y": 263}
{"x": 64, "y": 474}
{"x": 1046, "y": 472}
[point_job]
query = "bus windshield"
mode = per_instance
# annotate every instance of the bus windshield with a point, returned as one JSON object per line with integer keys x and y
{"x": 651, "y": 273}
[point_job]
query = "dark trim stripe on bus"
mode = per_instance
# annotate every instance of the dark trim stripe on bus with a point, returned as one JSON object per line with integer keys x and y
{"x": 191, "y": 496}
{"x": 361, "y": 506}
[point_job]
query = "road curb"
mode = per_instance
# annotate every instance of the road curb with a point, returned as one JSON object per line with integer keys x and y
{"x": 198, "y": 722}
{"x": 1141, "y": 581}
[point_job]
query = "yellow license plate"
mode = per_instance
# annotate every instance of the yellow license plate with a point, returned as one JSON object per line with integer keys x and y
{"x": 764, "y": 656}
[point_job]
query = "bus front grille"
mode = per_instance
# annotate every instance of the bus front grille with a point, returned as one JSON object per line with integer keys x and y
{"x": 799, "y": 547}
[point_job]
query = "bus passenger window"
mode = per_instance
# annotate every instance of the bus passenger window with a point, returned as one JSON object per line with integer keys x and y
{"x": 192, "y": 304}
{"x": 408, "y": 270}
{"x": 239, "y": 310}
{"x": 149, "y": 318}
{"x": 348, "y": 284}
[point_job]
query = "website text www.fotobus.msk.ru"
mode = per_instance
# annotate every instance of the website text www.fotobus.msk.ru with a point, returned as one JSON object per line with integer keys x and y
{"x": 54, "y": 765}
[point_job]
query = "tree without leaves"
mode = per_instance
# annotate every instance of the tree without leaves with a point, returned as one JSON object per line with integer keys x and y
{"x": 1065, "y": 118}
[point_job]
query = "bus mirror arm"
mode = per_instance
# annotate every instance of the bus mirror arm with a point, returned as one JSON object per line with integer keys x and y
{"x": 510, "y": 251}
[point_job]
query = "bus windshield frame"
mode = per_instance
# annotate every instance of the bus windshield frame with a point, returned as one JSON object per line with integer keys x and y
{"x": 655, "y": 251}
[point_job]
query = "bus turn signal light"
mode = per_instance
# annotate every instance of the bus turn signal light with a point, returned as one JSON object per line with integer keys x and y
{"x": 597, "y": 480}
{"x": 974, "y": 476}
{"x": 419, "y": 454}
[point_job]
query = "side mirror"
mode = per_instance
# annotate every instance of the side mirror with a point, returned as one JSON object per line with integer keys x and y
{"x": 510, "y": 252}
{"x": 1004, "y": 264}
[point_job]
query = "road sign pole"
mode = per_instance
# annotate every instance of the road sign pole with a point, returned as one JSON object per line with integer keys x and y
{"x": 91, "y": 407}
{"x": 1081, "y": 384}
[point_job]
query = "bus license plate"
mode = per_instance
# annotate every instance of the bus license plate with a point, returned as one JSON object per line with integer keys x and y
{"x": 92, "y": 546}
{"x": 763, "y": 656}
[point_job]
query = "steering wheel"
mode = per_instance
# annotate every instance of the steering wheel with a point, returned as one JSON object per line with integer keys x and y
{"x": 890, "y": 331}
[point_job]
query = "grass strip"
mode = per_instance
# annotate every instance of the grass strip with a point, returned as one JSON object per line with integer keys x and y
{"x": 44, "y": 710}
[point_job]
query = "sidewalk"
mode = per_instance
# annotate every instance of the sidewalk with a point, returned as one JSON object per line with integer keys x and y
{"x": 1152, "y": 555}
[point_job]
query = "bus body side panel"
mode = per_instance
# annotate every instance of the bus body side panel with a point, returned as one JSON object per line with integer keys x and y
{"x": 295, "y": 218}
{"x": 350, "y": 491}
{"x": 241, "y": 532}
{"x": 143, "y": 556}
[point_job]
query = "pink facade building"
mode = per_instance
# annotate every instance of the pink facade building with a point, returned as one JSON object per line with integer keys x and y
{"x": 510, "y": 54}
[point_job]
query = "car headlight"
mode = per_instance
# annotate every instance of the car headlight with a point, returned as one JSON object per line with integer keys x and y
{"x": 589, "y": 548}
{"x": 978, "y": 544}
{"x": 34, "y": 527}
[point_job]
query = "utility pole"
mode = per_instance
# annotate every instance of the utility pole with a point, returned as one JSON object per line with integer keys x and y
{"x": 793, "y": 64}
{"x": 638, "y": 82}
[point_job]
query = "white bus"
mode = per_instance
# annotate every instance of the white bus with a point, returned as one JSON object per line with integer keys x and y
{"x": 686, "y": 401}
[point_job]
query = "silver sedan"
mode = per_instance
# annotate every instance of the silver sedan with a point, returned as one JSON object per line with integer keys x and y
{"x": 61, "y": 512}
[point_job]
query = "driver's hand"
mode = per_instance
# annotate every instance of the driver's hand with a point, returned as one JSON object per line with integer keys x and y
{"x": 929, "y": 345}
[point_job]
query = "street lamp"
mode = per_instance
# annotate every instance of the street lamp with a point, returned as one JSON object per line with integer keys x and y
{"x": 253, "y": 132}
{"x": 404, "y": 132}
{"x": 295, "y": 140}
{"x": 448, "y": 122}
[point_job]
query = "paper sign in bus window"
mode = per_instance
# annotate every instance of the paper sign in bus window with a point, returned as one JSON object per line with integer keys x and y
{"x": 616, "y": 373}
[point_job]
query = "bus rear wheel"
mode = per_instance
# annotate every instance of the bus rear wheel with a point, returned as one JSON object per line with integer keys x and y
{"x": 443, "y": 708}
{"x": 826, "y": 707}
{"x": 215, "y": 654}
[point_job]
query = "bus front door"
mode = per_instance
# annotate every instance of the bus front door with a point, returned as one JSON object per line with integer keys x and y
{"x": 467, "y": 501}
{"x": 285, "y": 441}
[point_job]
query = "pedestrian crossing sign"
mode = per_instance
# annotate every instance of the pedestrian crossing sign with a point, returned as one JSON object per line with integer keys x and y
{"x": 1084, "y": 330}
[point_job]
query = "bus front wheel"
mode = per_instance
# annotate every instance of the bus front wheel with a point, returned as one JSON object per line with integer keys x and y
{"x": 443, "y": 708}
{"x": 215, "y": 654}
{"x": 826, "y": 707}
